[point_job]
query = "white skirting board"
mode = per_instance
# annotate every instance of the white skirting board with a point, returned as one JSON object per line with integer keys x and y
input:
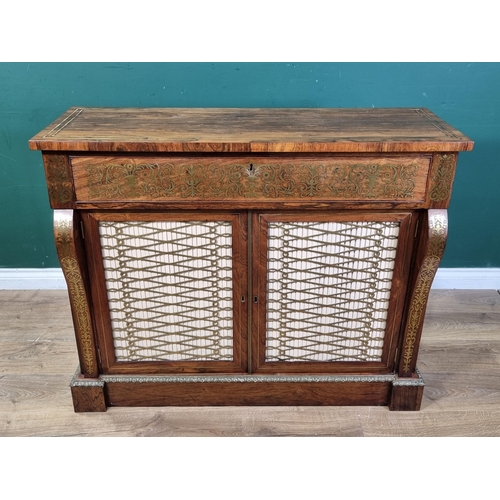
{"x": 32, "y": 279}
{"x": 486, "y": 278}
{"x": 446, "y": 278}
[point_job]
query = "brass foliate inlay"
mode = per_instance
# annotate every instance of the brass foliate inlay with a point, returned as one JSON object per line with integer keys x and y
{"x": 442, "y": 178}
{"x": 63, "y": 227}
{"x": 59, "y": 181}
{"x": 438, "y": 229}
{"x": 402, "y": 179}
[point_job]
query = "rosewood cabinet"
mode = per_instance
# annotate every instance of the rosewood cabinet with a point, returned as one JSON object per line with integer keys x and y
{"x": 249, "y": 256}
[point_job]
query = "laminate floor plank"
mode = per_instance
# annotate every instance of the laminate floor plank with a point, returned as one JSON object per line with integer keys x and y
{"x": 34, "y": 315}
{"x": 474, "y": 301}
{"x": 196, "y": 422}
{"x": 458, "y": 423}
{"x": 459, "y": 361}
{"x": 37, "y": 358}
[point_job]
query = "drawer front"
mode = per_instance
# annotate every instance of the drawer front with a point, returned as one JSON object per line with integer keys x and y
{"x": 105, "y": 179}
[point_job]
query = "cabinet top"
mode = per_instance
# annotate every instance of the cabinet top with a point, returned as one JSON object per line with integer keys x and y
{"x": 248, "y": 130}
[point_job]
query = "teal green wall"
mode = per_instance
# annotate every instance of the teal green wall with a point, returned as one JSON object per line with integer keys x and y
{"x": 467, "y": 95}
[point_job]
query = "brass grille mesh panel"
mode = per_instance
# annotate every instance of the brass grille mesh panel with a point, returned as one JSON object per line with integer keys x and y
{"x": 169, "y": 287}
{"x": 328, "y": 290}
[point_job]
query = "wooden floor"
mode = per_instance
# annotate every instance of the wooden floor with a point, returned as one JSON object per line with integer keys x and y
{"x": 459, "y": 361}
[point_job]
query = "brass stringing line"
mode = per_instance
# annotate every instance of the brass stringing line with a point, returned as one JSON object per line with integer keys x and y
{"x": 447, "y": 132}
{"x": 165, "y": 280}
{"x": 64, "y": 123}
{"x": 307, "y": 269}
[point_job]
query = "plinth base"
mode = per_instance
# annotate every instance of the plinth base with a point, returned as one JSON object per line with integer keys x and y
{"x": 400, "y": 394}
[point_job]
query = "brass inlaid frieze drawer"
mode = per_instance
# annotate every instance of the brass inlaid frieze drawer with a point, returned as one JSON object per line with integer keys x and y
{"x": 200, "y": 178}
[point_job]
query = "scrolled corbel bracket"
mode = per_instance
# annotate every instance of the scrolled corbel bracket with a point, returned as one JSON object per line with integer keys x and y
{"x": 430, "y": 251}
{"x": 70, "y": 253}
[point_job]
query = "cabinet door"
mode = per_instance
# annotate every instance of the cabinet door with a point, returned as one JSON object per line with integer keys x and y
{"x": 164, "y": 291}
{"x": 329, "y": 290}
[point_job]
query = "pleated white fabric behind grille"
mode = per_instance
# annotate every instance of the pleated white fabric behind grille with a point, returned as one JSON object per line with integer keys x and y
{"x": 169, "y": 289}
{"x": 328, "y": 290}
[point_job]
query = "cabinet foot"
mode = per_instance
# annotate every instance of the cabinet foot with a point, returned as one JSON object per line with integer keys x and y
{"x": 88, "y": 394}
{"x": 407, "y": 394}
